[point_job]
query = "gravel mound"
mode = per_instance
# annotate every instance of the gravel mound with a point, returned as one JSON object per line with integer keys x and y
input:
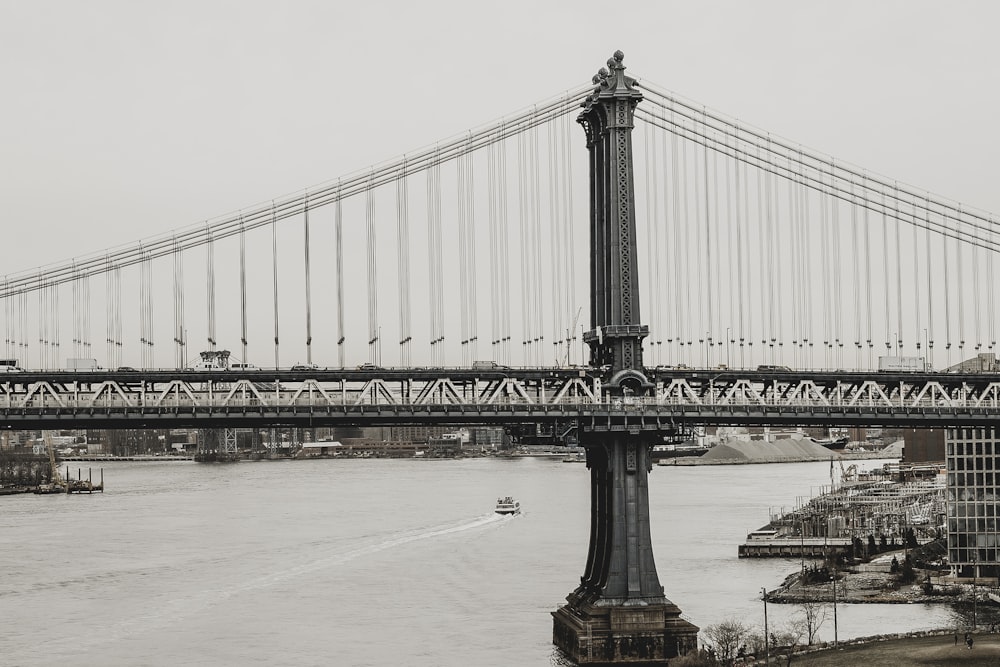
{"x": 787, "y": 449}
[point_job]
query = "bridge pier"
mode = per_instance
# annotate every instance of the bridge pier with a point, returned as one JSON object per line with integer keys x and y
{"x": 619, "y": 614}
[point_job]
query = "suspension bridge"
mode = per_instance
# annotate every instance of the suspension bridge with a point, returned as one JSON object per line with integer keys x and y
{"x": 447, "y": 286}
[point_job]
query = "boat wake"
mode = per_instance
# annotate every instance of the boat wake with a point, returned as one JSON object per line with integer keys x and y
{"x": 168, "y": 612}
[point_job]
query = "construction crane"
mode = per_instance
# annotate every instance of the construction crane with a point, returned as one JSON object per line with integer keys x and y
{"x": 570, "y": 333}
{"x": 56, "y": 483}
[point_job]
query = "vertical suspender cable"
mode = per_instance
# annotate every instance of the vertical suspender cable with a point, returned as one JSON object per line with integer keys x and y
{"x": 974, "y": 249}
{"x": 525, "y": 244}
{"x": 677, "y": 228}
{"x": 807, "y": 242}
{"x": 868, "y": 274}
{"x": 243, "y": 289}
{"x": 742, "y": 280}
{"x": 555, "y": 233}
{"x": 703, "y": 251}
{"x": 992, "y": 313}
{"x": 463, "y": 259}
{"x": 947, "y": 289}
{"x": 40, "y": 322}
{"x": 373, "y": 332}
{"x": 505, "y": 329}
{"x": 687, "y": 253}
{"x": 210, "y": 284}
{"x": 916, "y": 275}
{"x": 774, "y": 221}
{"x": 179, "y": 330}
{"x": 494, "y": 253}
{"x": 569, "y": 235}
{"x": 55, "y": 326}
{"x": 885, "y": 273}
{"x": 930, "y": 280}
{"x": 960, "y": 280}
{"x": 659, "y": 218}
{"x": 796, "y": 256}
{"x": 75, "y": 291}
{"x": 110, "y": 315}
{"x": 825, "y": 264}
{"x": 308, "y": 277}
{"x": 899, "y": 275}
{"x": 650, "y": 169}
{"x": 403, "y": 250}
{"x": 470, "y": 218}
{"x": 274, "y": 276}
{"x": 856, "y": 273}
{"x": 536, "y": 227}
{"x": 86, "y": 317}
{"x": 838, "y": 303}
{"x": 762, "y": 258}
{"x": 339, "y": 250}
{"x": 730, "y": 264}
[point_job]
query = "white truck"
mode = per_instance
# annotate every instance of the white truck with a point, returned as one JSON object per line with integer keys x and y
{"x": 81, "y": 364}
{"x": 902, "y": 364}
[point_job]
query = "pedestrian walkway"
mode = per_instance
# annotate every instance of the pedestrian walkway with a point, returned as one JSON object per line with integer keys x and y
{"x": 939, "y": 650}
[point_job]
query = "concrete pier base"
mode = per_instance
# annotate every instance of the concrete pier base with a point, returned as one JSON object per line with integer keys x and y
{"x": 619, "y": 635}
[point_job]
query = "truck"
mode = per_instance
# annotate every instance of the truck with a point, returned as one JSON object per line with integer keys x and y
{"x": 902, "y": 364}
{"x": 81, "y": 364}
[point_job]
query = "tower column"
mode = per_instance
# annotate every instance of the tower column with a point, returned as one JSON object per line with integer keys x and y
{"x": 618, "y": 614}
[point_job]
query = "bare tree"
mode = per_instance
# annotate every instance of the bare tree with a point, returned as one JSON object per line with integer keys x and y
{"x": 726, "y": 638}
{"x": 811, "y": 615}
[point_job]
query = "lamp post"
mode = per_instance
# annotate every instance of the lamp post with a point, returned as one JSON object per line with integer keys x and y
{"x": 835, "y": 604}
{"x": 975, "y": 571}
{"x": 767, "y": 637}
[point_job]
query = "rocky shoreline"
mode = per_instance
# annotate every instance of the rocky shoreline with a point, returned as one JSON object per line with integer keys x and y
{"x": 870, "y": 586}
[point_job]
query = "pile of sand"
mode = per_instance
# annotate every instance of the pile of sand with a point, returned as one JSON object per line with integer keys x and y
{"x": 893, "y": 451}
{"x": 787, "y": 449}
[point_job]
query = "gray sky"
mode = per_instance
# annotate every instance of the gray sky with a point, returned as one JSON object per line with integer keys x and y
{"x": 123, "y": 119}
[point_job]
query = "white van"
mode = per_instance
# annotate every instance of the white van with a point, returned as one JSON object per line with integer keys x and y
{"x": 9, "y": 366}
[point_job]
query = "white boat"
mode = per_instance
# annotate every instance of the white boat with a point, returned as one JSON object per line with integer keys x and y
{"x": 508, "y": 505}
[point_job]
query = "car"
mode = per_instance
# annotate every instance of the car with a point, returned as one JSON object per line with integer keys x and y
{"x": 368, "y": 366}
{"x": 305, "y": 367}
{"x": 125, "y": 369}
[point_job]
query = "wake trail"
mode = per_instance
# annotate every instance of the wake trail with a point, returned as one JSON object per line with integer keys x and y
{"x": 175, "y": 610}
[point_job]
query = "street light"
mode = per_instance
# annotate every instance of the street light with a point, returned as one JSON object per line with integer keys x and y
{"x": 975, "y": 571}
{"x": 767, "y": 640}
{"x": 835, "y": 603}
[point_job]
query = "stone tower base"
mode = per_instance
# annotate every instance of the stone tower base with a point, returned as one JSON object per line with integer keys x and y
{"x": 622, "y": 635}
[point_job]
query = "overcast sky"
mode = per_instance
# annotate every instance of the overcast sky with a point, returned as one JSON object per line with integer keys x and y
{"x": 123, "y": 120}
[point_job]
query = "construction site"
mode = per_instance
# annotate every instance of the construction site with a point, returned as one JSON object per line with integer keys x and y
{"x": 888, "y": 505}
{"x": 29, "y": 472}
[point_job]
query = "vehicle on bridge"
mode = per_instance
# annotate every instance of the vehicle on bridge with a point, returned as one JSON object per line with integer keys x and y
{"x": 81, "y": 364}
{"x": 305, "y": 367}
{"x": 902, "y": 364}
{"x": 9, "y": 366}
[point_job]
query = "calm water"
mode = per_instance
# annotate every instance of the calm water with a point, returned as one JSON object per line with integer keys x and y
{"x": 367, "y": 562}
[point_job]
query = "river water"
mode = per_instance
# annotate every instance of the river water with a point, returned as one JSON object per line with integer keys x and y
{"x": 369, "y": 562}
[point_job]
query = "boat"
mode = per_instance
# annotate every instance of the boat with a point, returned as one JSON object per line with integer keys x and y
{"x": 508, "y": 505}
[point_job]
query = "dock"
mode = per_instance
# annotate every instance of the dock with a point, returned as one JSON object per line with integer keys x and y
{"x": 809, "y": 547}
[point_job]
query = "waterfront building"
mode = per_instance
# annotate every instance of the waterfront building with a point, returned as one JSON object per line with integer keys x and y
{"x": 923, "y": 445}
{"x": 971, "y": 456}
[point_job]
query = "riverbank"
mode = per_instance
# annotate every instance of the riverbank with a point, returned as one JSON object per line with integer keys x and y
{"x": 866, "y": 587}
{"x": 938, "y": 648}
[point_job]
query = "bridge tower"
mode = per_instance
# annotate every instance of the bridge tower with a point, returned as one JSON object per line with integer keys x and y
{"x": 618, "y": 614}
